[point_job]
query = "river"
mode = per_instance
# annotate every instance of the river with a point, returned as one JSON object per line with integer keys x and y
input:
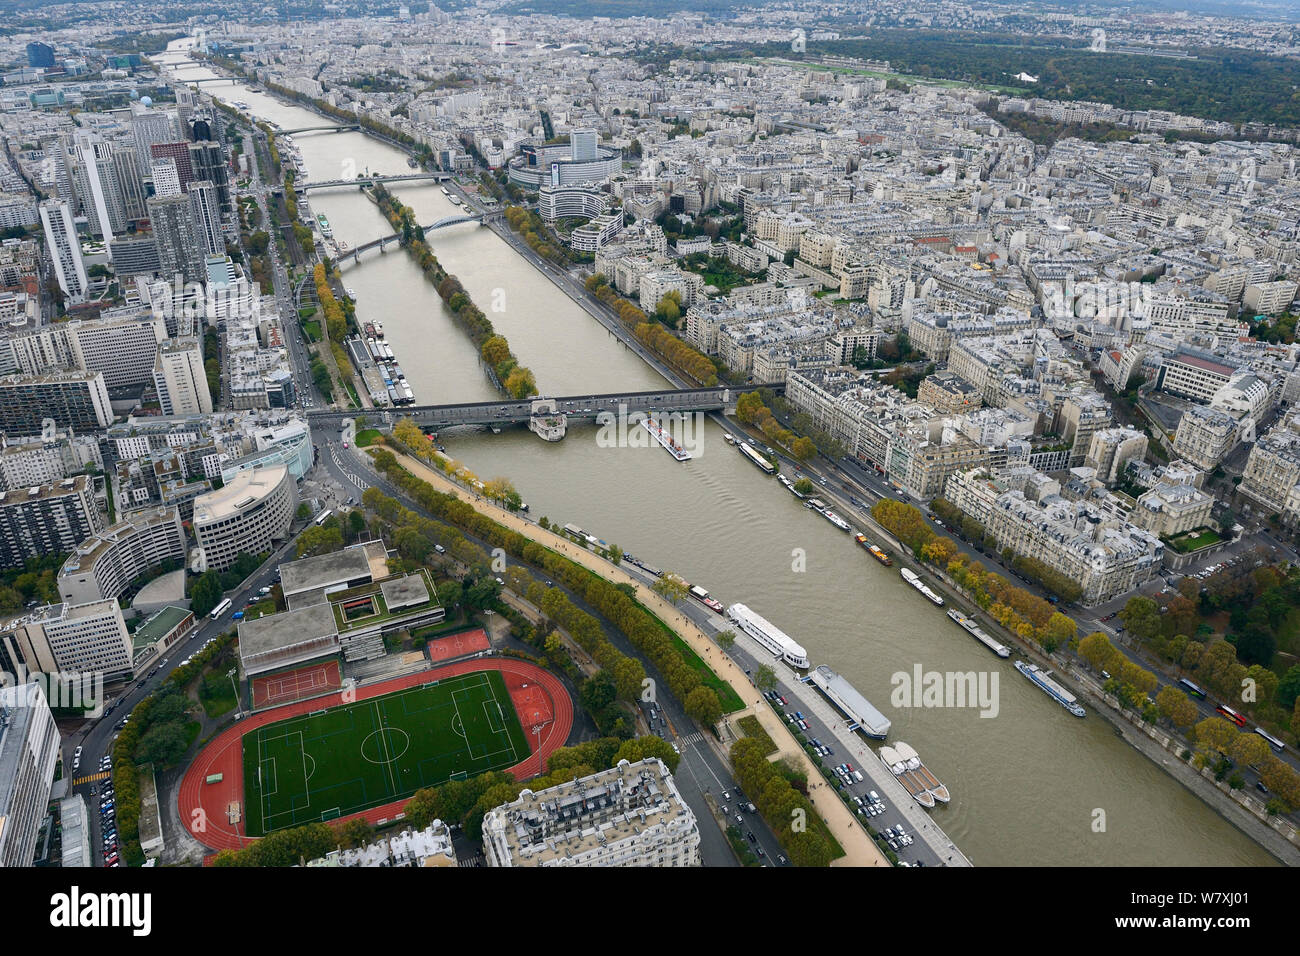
{"x": 1030, "y": 786}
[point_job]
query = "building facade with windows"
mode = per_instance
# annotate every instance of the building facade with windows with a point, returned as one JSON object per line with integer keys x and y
{"x": 247, "y": 515}
{"x": 630, "y": 815}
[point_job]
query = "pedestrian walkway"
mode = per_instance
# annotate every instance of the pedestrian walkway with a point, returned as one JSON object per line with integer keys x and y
{"x": 92, "y": 778}
{"x": 859, "y": 849}
{"x": 810, "y": 701}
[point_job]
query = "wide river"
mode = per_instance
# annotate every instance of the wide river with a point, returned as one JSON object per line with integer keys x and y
{"x": 1029, "y": 785}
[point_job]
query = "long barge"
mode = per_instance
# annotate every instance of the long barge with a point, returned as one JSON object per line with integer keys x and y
{"x": 974, "y": 630}
{"x": 911, "y": 578}
{"x": 862, "y": 714}
{"x": 1051, "y": 687}
{"x": 665, "y": 440}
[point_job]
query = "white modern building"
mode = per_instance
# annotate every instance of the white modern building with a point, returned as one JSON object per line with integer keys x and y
{"x": 65, "y": 249}
{"x": 70, "y": 639}
{"x": 247, "y": 515}
{"x": 103, "y": 565}
{"x": 180, "y": 378}
{"x": 29, "y": 752}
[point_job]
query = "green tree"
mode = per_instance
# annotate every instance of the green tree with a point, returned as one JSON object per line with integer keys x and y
{"x": 702, "y": 706}
{"x": 163, "y": 744}
{"x": 597, "y": 692}
{"x": 765, "y": 678}
{"x": 726, "y": 640}
{"x": 206, "y": 593}
{"x": 1141, "y": 616}
{"x": 671, "y": 586}
{"x": 320, "y": 540}
{"x": 1175, "y": 706}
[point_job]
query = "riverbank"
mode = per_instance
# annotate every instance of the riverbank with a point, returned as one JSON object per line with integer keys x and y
{"x": 858, "y": 847}
{"x": 866, "y": 627}
{"x": 1154, "y": 744}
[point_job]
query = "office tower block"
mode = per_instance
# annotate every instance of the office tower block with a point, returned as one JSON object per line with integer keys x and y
{"x": 180, "y": 247}
{"x": 65, "y": 249}
{"x": 207, "y": 217}
{"x": 180, "y": 378}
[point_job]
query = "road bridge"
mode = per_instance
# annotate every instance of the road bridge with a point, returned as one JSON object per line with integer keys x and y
{"x": 326, "y": 128}
{"x": 354, "y": 255}
{"x": 362, "y": 181}
{"x": 579, "y": 408}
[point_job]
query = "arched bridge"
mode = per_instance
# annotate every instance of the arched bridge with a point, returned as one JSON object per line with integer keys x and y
{"x": 574, "y": 407}
{"x": 354, "y": 255}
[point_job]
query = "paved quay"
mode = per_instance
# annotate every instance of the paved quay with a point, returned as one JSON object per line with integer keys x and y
{"x": 859, "y": 848}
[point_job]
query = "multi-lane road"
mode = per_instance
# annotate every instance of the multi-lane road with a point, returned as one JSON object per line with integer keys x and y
{"x": 703, "y": 776}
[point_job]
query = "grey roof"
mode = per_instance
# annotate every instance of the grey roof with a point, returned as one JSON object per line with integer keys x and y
{"x": 405, "y": 591}
{"x": 324, "y": 570}
{"x": 280, "y": 631}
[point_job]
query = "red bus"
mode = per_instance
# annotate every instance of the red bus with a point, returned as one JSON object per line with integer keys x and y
{"x": 1232, "y": 715}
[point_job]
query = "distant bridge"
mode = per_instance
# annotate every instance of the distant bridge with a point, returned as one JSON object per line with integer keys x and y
{"x": 205, "y": 79}
{"x": 354, "y": 255}
{"x": 575, "y": 407}
{"x": 326, "y": 128}
{"x": 363, "y": 181}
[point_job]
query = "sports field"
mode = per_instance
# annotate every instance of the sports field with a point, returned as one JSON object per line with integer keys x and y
{"x": 332, "y": 763}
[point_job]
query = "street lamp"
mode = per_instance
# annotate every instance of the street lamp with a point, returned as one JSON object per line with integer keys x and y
{"x": 239, "y": 711}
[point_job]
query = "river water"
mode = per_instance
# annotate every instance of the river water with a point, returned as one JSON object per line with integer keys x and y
{"x": 1031, "y": 785}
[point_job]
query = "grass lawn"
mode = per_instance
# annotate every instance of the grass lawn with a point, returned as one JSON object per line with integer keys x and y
{"x": 367, "y": 437}
{"x": 335, "y": 762}
{"x": 1193, "y": 540}
{"x": 729, "y": 699}
{"x": 312, "y": 331}
{"x": 753, "y": 728}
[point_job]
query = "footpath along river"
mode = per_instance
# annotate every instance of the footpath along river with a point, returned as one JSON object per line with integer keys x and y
{"x": 1026, "y": 784}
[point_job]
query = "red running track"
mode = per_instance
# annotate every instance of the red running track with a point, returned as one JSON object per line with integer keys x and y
{"x": 203, "y": 806}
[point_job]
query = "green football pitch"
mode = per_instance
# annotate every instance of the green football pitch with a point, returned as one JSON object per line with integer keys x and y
{"x": 335, "y": 762}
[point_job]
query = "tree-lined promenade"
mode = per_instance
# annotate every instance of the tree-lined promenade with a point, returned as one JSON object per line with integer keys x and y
{"x": 858, "y": 848}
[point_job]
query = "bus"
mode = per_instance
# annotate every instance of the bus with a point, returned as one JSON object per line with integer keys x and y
{"x": 1232, "y": 715}
{"x": 1191, "y": 688}
{"x": 1272, "y": 741}
{"x": 322, "y": 517}
{"x": 220, "y": 609}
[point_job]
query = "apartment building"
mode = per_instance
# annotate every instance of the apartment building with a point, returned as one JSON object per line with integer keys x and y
{"x": 1206, "y": 436}
{"x": 1104, "y": 553}
{"x": 29, "y": 753}
{"x": 103, "y": 565}
{"x": 180, "y": 378}
{"x": 47, "y": 519}
{"x": 948, "y": 393}
{"x": 1269, "y": 298}
{"x": 72, "y": 639}
{"x": 1111, "y": 449}
{"x": 630, "y": 815}
{"x": 1272, "y": 471}
{"x": 1168, "y": 510}
{"x": 77, "y": 400}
